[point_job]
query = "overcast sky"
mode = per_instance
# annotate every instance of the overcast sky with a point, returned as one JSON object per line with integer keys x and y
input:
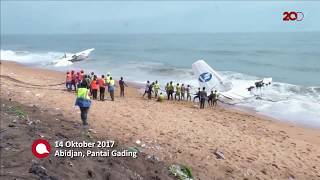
{"x": 154, "y": 17}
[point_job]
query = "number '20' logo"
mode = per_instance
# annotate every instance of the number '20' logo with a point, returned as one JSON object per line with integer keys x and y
{"x": 293, "y": 16}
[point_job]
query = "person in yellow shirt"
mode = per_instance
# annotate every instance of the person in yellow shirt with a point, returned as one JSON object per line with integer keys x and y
{"x": 83, "y": 101}
{"x": 167, "y": 89}
{"x": 111, "y": 88}
{"x": 161, "y": 97}
{"x": 170, "y": 91}
{"x": 107, "y": 80}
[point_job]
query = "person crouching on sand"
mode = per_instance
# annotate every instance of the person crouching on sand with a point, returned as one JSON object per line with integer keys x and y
{"x": 83, "y": 101}
{"x": 94, "y": 87}
{"x": 160, "y": 97}
{"x": 111, "y": 88}
{"x": 122, "y": 84}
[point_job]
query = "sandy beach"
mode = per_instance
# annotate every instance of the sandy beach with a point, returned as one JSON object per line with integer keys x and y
{"x": 254, "y": 147}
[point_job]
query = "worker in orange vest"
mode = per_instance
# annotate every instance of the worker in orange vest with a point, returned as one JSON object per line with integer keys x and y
{"x": 94, "y": 87}
{"x": 102, "y": 87}
{"x": 69, "y": 81}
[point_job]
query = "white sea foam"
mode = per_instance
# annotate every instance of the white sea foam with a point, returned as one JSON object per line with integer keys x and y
{"x": 294, "y": 103}
{"x": 288, "y": 102}
{"x": 30, "y": 57}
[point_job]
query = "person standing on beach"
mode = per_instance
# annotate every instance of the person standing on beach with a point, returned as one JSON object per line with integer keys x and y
{"x": 210, "y": 99}
{"x": 156, "y": 88}
{"x": 102, "y": 87}
{"x": 111, "y": 88}
{"x": 203, "y": 97}
{"x": 83, "y": 101}
{"x": 108, "y": 78}
{"x": 146, "y": 88}
{"x": 178, "y": 92}
{"x": 183, "y": 92}
{"x": 90, "y": 80}
{"x": 150, "y": 90}
{"x": 215, "y": 98}
{"x": 91, "y": 76}
{"x": 69, "y": 81}
{"x": 122, "y": 84}
{"x": 86, "y": 78}
{"x": 167, "y": 89}
{"x": 170, "y": 90}
{"x": 74, "y": 80}
{"x": 94, "y": 87}
{"x": 197, "y": 95}
{"x": 81, "y": 75}
{"x": 188, "y": 89}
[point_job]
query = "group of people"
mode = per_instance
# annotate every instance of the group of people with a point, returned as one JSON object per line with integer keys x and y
{"x": 203, "y": 97}
{"x": 180, "y": 92}
{"x": 94, "y": 83}
{"x": 87, "y": 85}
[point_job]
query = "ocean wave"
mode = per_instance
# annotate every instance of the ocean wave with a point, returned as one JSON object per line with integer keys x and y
{"x": 27, "y": 57}
{"x": 294, "y": 103}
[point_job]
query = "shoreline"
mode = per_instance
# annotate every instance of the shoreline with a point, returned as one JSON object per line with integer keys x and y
{"x": 140, "y": 88}
{"x": 254, "y": 146}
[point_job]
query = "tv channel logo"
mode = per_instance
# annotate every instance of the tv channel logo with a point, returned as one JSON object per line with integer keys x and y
{"x": 292, "y": 16}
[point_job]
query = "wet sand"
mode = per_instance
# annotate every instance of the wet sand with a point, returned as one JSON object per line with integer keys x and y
{"x": 179, "y": 132}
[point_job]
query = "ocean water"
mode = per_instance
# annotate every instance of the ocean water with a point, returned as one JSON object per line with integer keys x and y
{"x": 291, "y": 59}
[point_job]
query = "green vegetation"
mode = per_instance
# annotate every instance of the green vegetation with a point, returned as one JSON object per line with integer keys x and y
{"x": 16, "y": 110}
{"x": 181, "y": 172}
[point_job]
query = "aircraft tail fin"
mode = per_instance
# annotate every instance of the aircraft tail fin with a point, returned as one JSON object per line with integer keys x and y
{"x": 209, "y": 78}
